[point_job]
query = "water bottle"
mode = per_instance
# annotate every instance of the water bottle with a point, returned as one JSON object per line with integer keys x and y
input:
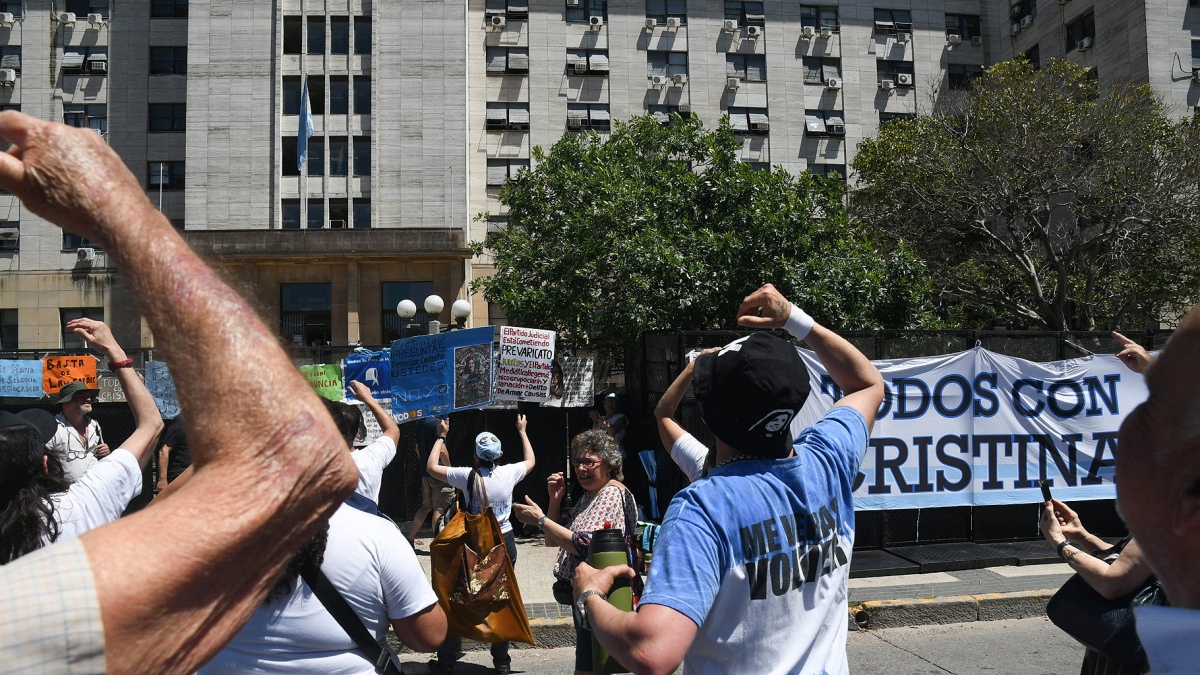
{"x": 608, "y": 549}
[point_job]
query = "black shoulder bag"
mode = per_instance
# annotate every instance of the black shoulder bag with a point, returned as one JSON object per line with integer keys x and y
{"x": 386, "y": 661}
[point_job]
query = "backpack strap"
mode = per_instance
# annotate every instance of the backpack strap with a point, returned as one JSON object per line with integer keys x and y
{"x": 346, "y": 617}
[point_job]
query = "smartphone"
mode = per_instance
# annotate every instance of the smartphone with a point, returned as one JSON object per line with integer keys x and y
{"x": 1045, "y": 485}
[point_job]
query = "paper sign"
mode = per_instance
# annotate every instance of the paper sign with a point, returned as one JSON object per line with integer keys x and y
{"x": 372, "y": 369}
{"x": 162, "y": 388}
{"x": 325, "y": 379}
{"x": 111, "y": 390}
{"x": 526, "y": 355}
{"x": 441, "y": 374}
{"x": 59, "y": 371}
{"x": 21, "y": 379}
{"x": 571, "y": 383}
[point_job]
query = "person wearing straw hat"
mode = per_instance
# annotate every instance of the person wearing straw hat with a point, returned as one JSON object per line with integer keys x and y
{"x": 78, "y": 439}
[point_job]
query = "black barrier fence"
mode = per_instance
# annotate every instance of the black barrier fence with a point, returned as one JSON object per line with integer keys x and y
{"x": 661, "y": 356}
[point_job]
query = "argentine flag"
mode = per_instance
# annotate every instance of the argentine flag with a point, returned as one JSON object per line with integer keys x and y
{"x": 306, "y": 130}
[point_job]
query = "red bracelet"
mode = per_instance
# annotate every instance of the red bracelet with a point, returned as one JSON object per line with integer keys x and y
{"x": 120, "y": 364}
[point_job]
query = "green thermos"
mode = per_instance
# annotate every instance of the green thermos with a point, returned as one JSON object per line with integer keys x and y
{"x": 608, "y": 549}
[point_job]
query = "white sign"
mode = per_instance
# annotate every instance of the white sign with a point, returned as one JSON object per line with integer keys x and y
{"x": 526, "y": 357}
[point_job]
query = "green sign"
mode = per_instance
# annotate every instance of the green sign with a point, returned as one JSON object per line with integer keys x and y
{"x": 325, "y": 378}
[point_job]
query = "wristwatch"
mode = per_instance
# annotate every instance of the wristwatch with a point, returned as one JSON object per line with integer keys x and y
{"x": 581, "y": 607}
{"x": 1063, "y": 544}
{"x": 541, "y": 522}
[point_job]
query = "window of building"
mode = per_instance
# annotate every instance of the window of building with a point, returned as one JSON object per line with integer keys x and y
{"x": 395, "y": 291}
{"x": 507, "y": 116}
{"x": 72, "y": 242}
{"x": 166, "y": 61}
{"x": 10, "y": 57}
{"x": 819, "y": 123}
{"x": 362, "y": 95}
{"x": 316, "y": 35}
{"x": 362, "y": 155}
{"x": 892, "y": 21}
{"x": 316, "y": 94}
{"x": 8, "y": 329}
{"x": 339, "y": 35}
{"x": 745, "y": 13}
{"x": 362, "y": 35}
{"x": 94, "y": 116}
{"x": 1023, "y": 8}
{"x": 178, "y": 224}
{"x": 584, "y": 10}
{"x": 749, "y": 67}
{"x": 965, "y": 26}
{"x": 1195, "y": 55}
{"x": 513, "y": 9}
{"x": 339, "y": 213}
{"x": 168, "y": 9}
{"x": 291, "y": 213}
{"x": 819, "y": 70}
{"x": 82, "y": 8}
{"x": 10, "y": 235}
{"x": 819, "y": 16}
{"x": 834, "y": 171}
{"x": 667, "y": 9}
{"x": 1080, "y": 29}
{"x": 963, "y": 77}
{"x": 293, "y": 34}
{"x": 167, "y": 116}
{"x": 316, "y": 156}
{"x": 339, "y": 95}
{"x": 503, "y": 60}
{"x": 663, "y": 113}
{"x": 291, "y": 95}
{"x": 500, "y": 170}
{"x": 587, "y": 62}
{"x": 362, "y": 214}
{"x": 316, "y": 214}
{"x": 749, "y": 121}
{"x": 582, "y": 116}
{"x": 17, "y": 9}
{"x": 885, "y": 117}
{"x": 66, "y": 315}
{"x": 668, "y": 64}
{"x": 900, "y": 73}
{"x": 79, "y": 60}
{"x": 164, "y": 175}
{"x": 305, "y": 314}
{"x": 338, "y": 149}
{"x": 1034, "y": 56}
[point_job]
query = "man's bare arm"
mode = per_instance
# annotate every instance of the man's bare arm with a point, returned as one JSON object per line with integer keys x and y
{"x": 386, "y": 423}
{"x": 266, "y": 473}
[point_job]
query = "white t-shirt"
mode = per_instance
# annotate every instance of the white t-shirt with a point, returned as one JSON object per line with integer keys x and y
{"x": 689, "y": 454}
{"x": 368, "y": 561}
{"x": 78, "y": 455}
{"x": 499, "y": 485}
{"x": 100, "y": 496}
{"x": 371, "y": 461}
{"x": 619, "y": 436}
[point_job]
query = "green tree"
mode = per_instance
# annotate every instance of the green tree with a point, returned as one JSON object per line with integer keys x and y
{"x": 1037, "y": 200}
{"x": 660, "y": 226}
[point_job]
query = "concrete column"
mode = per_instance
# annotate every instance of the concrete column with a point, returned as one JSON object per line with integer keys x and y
{"x": 352, "y": 325}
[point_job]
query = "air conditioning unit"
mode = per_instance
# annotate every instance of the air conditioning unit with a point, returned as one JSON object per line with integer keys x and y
{"x": 808, "y": 32}
{"x": 98, "y": 66}
{"x": 826, "y": 33}
{"x": 684, "y": 108}
{"x": 596, "y": 21}
{"x": 760, "y": 126}
{"x": 7, "y": 19}
{"x": 498, "y": 21}
{"x": 904, "y": 79}
{"x": 337, "y": 224}
{"x": 659, "y": 80}
{"x": 674, "y": 22}
{"x": 887, "y": 85}
{"x": 1085, "y": 44}
{"x": 953, "y": 40}
{"x": 8, "y": 77}
{"x": 85, "y": 254}
{"x": 1026, "y": 21}
{"x": 754, "y": 31}
{"x": 732, "y": 82}
{"x": 729, "y": 26}
{"x": 679, "y": 80}
{"x": 572, "y": 3}
{"x": 575, "y": 122}
{"x": 67, "y": 18}
{"x": 1016, "y": 28}
{"x": 651, "y": 22}
{"x": 581, "y": 67}
{"x": 977, "y": 40}
{"x": 95, "y": 19}
{"x": 836, "y": 129}
{"x": 833, "y": 83}
{"x": 903, "y": 38}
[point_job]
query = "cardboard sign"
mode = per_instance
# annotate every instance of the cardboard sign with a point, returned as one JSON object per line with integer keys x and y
{"x": 571, "y": 383}
{"x": 162, "y": 388}
{"x": 21, "y": 379}
{"x": 325, "y": 379}
{"x": 59, "y": 371}
{"x": 526, "y": 358}
{"x": 110, "y": 388}
{"x": 441, "y": 374}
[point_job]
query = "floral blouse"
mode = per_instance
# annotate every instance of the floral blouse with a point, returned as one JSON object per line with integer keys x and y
{"x": 588, "y": 515}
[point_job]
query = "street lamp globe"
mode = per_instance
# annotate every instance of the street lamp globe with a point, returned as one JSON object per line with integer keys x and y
{"x": 461, "y": 309}
{"x": 407, "y": 309}
{"x": 434, "y": 304}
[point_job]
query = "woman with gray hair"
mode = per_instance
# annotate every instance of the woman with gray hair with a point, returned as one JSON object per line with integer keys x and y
{"x": 607, "y": 503}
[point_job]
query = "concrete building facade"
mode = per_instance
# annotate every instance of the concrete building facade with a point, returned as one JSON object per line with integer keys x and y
{"x": 421, "y": 111}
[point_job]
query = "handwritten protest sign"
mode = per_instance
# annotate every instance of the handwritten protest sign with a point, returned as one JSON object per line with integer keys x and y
{"x": 21, "y": 379}
{"x": 162, "y": 388}
{"x": 440, "y": 374}
{"x": 571, "y": 383}
{"x": 111, "y": 390}
{"x": 372, "y": 369}
{"x": 325, "y": 379}
{"x": 526, "y": 355}
{"x": 59, "y": 371}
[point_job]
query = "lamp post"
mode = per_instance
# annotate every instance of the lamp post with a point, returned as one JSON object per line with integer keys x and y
{"x": 434, "y": 306}
{"x": 460, "y": 310}
{"x": 406, "y": 309}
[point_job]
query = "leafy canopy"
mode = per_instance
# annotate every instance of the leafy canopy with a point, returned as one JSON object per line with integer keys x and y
{"x": 1039, "y": 201}
{"x": 662, "y": 227}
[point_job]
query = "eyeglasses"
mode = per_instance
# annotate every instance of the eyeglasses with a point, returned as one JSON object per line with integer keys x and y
{"x": 584, "y": 463}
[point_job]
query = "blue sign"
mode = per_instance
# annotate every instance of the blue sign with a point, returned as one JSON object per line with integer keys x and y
{"x": 372, "y": 369}
{"x": 162, "y": 388}
{"x": 440, "y": 374}
{"x": 21, "y": 379}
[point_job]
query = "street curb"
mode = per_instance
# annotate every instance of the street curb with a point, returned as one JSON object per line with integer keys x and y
{"x": 953, "y": 609}
{"x": 547, "y": 634}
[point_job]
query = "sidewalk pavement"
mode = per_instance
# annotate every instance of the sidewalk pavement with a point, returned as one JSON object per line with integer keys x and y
{"x": 989, "y": 594}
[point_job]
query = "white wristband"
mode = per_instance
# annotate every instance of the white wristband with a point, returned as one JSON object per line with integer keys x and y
{"x": 799, "y": 323}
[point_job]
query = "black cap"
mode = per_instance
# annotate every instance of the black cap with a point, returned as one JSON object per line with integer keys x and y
{"x": 750, "y": 391}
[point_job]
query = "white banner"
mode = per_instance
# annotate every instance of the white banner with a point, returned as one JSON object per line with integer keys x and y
{"x": 977, "y": 428}
{"x": 526, "y": 355}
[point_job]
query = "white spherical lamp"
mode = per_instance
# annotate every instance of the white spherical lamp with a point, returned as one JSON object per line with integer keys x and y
{"x": 461, "y": 309}
{"x": 407, "y": 309}
{"x": 434, "y": 304}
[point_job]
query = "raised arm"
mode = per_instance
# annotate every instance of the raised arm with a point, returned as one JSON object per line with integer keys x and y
{"x": 669, "y": 430}
{"x": 264, "y": 473}
{"x": 386, "y": 423}
{"x": 526, "y": 448}
{"x": 1127, "y": 573}
{"x": 860, "y": 381}
{"x": 147, "y": 422}
{"x": 1133, "y": 355}
{"x": 435, "y": 464}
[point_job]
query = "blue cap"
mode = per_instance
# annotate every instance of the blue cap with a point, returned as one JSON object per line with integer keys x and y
{"x": 487, "y": 447}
